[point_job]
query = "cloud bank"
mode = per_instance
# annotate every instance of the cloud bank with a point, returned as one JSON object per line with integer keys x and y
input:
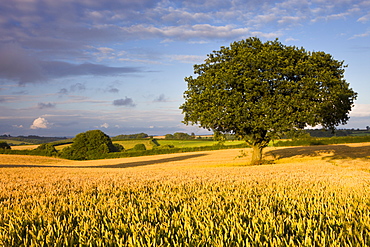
{"x": 17, "y": 65}
{"x": 62, "y": 38}
{"x": 40, "y": 123}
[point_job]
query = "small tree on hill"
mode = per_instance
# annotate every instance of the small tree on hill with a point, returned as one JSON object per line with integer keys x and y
{"x": 261, "y": 91}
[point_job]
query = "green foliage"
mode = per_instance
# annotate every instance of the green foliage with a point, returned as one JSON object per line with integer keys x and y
{"x": 139, "y": 147}
{"x": 171, "y": 150}
{"x": 179, "y": 136}
{"x": 4, "y": 145}
{"x": 169, "y": 137}
{"x": 311, "y": 141}
{"x": 262, "y": 91}
{"x": 167, "y": 146}
{"x": 48, "y": 149}
{"x": 118, "y": 147}
{"x": 91, "y": 144}
{"x": 341, "y": 132}
{"x": 33, "y": 139}
{"x": 132, "y": 136}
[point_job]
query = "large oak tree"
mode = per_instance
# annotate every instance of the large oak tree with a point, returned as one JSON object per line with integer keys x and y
{"x": 261, "y": 91}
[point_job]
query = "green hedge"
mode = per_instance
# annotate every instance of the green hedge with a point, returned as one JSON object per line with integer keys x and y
{"x": 29, "y": 152}
{"x": 323, "y": 141}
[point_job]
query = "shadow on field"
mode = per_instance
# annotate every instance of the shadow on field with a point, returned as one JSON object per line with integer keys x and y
{"x": 121, "y": 165}
{"x": 150, "y": 162}
{"x": 328, "y": 151}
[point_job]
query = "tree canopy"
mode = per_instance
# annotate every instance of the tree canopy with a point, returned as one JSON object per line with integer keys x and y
{"x": 89, "y": 145}
{"x": 261, "y": 91}
{"x": 4, "y": 145}
{"x": 180, "y": 136}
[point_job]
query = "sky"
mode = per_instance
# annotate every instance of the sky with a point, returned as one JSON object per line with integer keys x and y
{"x": 69, "y": 66}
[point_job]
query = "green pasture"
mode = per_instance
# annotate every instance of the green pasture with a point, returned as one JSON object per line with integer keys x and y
{"x": 14, "y": 142}
{"x": 129, "y": 144}
{"x": 194, "y": 143}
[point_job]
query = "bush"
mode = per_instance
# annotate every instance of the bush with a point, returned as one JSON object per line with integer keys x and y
{"x": 48, "y": 149}
{"x": 323, "y": 141}
{"x": 167, "y": 146}
{"x": 92, "y": 144}
{"x": 139, "y": 147}
{"x": 4, "y": 145}
{"x": 118, "y": 147}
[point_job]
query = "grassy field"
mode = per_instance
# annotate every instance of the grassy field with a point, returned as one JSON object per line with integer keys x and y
{"x": 13, "y": 142}
{"x": 194, "y": 143}
{"x": 307, "y": 196}
{"x": 129, "y": 144}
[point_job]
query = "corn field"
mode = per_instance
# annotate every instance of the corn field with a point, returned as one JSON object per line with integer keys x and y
{"x": 186, "y": 203}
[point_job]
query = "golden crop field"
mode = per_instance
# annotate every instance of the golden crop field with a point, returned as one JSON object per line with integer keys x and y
{"x": 307, "y": 196}
{"x": 25, "y": 147}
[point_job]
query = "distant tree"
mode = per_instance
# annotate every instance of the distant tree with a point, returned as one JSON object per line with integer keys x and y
{"x": 91, "y": 144}
{"x": 367, "y": 128}
{"x": 131, "y": 136}
{"x": 179, "y": 136}
{"x": 169, "y": 136}
{"x": 182, "y": 136}
{"x": 326, "y": 133}
{"x": 4, "y": 145}
{"x": 262, "y": 91}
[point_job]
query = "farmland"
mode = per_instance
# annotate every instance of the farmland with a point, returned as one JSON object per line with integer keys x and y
{"x": 307, "y": 196}
{"x": 129, "y": 144}
{"x": 176, "y": 143}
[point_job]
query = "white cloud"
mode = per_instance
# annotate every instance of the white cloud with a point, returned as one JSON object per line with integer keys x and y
{"x": 360, "y": 110}
{"x": 290, "y": 39}
{"x": 185, "y": 32}
{"x": 364, "y": 18}
{"x": 104, "y": 125}
{"x": 290, "y": 20}
{"x": 361, "y": 35}
{"x": 40, "y": 123}
{"x": 188, "y": 58}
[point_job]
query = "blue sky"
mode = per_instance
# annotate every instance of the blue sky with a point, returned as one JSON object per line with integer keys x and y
{"x": 69, "y": 66}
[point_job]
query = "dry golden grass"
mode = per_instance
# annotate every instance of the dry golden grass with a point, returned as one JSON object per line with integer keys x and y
{"x": 24, "y": 147}
{"x": 304, "y": 196}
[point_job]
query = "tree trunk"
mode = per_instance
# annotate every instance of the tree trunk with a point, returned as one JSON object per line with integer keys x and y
{"x": 257, "y": 155}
